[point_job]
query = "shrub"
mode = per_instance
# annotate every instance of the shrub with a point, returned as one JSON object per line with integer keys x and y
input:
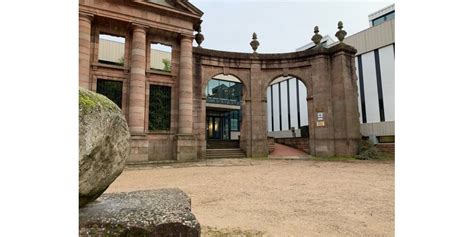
{"x": 366, "y": 150}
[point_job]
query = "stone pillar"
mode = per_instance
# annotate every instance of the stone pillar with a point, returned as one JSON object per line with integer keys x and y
{"x": 185, "y": 86}
{"x": 258, "y": 113}
{"x": 344, "y": 103}
{"x": 321, "y": 140}
{"x": 85, "y": 24}
{"x": 136, "y": 112}
{"x": 185, "y": 140}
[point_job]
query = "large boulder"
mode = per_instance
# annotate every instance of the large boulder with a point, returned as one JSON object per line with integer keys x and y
{"x": 163, "y": 212}
{"x": 104, "y": 144}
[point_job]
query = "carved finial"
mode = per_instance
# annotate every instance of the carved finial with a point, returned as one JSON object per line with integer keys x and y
{"x": 199, "y": 37}
{"x": 254, "y": 43}
{"x": 340, "y": 34}
{"x": 316, "y": 37}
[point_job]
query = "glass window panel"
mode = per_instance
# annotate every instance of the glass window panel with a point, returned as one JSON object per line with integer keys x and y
{"x": 378, "y": 21}
{"x": 223, "y": 92}
{"x": 303, "y": 104}
{"x": 390, "y": 16}
{"x": 284, "y": 105}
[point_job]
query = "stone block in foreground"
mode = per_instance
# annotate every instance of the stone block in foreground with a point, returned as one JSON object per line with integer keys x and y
{"x": 163, "y": 212}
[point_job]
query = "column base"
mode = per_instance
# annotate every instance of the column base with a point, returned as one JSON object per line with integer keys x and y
{"x": 138, "y": 148}
{"x": 346, "y": 147}
{"x": 186, "y": 148}
{"x": 259, "y": 148}
{"x": 333, "y": 147}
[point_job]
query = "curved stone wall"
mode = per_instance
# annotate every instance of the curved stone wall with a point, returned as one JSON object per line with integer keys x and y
{"x": 328, "y": 74}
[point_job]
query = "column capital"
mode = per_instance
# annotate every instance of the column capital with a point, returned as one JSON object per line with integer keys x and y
{"x": 84, "y": 15}
{"x": 186, "y": 37}
{"x": 139, "y": 26}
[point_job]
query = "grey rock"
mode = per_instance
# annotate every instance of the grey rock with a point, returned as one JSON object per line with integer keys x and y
{"x": 104, "y": 144}
{"x": 163, "y": 212}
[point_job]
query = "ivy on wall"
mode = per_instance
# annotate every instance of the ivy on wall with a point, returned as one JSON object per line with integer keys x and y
{"x": 159, "y": 116}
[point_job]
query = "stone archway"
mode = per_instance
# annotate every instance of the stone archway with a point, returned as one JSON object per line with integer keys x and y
{"x": 224, "y": 97}
{"x": 328, "y": 74}
{"x": 287, "y": 117}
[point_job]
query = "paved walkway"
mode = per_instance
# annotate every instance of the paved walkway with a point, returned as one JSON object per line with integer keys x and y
{"x": 286, "y": 152}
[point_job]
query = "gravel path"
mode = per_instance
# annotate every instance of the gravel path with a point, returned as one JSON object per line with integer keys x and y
{"x": 279, "y": 197}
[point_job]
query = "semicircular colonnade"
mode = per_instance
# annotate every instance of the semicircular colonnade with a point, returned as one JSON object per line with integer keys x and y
{"x": 327, "y": 73}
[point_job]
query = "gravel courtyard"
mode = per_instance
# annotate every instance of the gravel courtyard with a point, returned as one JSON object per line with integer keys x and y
{"x": 245, "y": 197}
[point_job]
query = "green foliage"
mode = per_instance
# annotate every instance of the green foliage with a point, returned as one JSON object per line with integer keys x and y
{"x": 121, "y": 61}
{"x": 167, "y": 64}
{"x": 366, "y": 150}
{"x": 89, "y": 100}
{"x": 159, "y": 108}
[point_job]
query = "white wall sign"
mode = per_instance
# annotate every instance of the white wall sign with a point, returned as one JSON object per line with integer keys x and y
{"x": 320, "y": 116}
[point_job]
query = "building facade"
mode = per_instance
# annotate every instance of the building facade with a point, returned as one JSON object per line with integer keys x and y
{"x": 375, "y": 66}
{"x": 174, "y": 109}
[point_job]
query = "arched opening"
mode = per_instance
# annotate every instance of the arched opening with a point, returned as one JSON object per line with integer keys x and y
{"x": 287, "y": 117}
{"x": 223, "y": 112}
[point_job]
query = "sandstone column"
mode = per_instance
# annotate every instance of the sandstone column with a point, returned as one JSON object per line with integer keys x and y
{"x": 85, "y": 22}
{"x": 185, "y": 142}
{"x": 185, "y": 86}
{"x": 136, "y": 113}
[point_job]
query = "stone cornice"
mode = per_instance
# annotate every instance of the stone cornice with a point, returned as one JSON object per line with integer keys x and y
{"x": 129, "y": 18}
{"x": 196, "y": 15}
{"x": 341, "y": 47}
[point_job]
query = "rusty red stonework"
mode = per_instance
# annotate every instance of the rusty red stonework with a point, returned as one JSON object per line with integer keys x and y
{"x": 328, "y": 74}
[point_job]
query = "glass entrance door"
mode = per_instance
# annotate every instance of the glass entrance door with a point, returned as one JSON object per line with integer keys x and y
{"x": 214, "y": 127}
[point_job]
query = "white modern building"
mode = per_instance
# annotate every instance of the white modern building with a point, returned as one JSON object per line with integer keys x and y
{"x": 375, "y": 65}
{"x": 286, "y": 107}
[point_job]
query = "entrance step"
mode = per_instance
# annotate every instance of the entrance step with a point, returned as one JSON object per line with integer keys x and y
{"x": 223, "y": 144}
{"x": 224, "y": 153}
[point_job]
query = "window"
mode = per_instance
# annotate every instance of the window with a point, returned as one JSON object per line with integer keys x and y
{"x": 383, "y": 18}
{"x": 111, "y": 49}
{"x": 378, "y": 21}
{"x": 159, "y": 116}
{"x": 223, "y": 92}
{"x": 234, "y": 120}
{"x": 390, "y": 16}
{"x": 111, "y": 89}
{"x": 160, "y": 57}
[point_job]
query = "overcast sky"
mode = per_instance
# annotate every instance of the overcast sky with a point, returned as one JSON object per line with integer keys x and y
{"x": 281, "y": 26}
